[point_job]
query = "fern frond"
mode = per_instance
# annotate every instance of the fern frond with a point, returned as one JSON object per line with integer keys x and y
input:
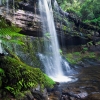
{"x": 9, "y": 34}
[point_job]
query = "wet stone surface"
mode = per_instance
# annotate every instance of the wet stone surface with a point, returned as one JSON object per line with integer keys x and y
{"x": 87, "y": 87}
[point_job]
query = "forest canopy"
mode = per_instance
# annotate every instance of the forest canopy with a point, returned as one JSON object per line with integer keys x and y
{"x": 87, "y": 10}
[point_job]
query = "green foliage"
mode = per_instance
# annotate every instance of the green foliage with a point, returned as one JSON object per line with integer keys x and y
{"x": 64, "y": 28}
{"x": 48, "y": 81}
{"x": 9, "y": 34}
{"x": 70, "y": 59}
{"x": 30, "y": 50}
{"x": 72, "y": 6}
{"x": 98, "y": 43}
{"x": 76, "y": 53}
{"x": 20, "y": 77}
{"x": 60, "y": 51}
{"x": 20, "y": 95}
{"x": 90, "y": 8}
{"x": 47, "y": 35}
{"x": 85, "y": 49}
{"x": 87, "y": 10}
{"x": 95, "y": 21}
{"x": 76, "y": 57}
{"x": 2, "y": 74}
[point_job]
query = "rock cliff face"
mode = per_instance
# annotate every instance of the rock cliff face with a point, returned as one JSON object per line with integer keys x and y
{"x": 69, "y": 28}
{"x": 26, "y": 16}
{"x": 29, "y": 22}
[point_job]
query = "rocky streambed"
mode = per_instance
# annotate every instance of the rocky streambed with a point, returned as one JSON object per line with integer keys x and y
{"x": 87, "y": 87}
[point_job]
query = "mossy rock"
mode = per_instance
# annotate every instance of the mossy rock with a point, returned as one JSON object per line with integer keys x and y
{"x": 21, "y": 77}
{"x": 76, "y": 57}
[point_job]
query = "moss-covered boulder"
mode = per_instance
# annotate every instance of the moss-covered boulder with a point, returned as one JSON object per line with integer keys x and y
{"x": 16, "y": 76}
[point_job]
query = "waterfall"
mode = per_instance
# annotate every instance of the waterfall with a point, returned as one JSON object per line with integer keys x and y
{"x": 13, "y": 6}
{"x": 13, "y": 11}
{"x": 51, "y": 57}
{"x": 7, "y": 7}
{"x": 0, "y": 47}
{"x": 0, "y": 40}
{"x": 59, "y": 19}
{"x": 0, "y": 5}
{"x": 53, "y": 39}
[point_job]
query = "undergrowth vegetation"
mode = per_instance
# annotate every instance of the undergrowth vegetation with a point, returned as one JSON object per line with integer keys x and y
{"x": 76, "y": 57}
{"x": 16, "y": 77}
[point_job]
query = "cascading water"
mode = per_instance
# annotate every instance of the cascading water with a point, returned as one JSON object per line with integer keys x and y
{"x": 0, "y": 5}
{"x": 0, "y": 40}
{"x": 53, "y": 39}
{"x": 0, "y": 47}
{"x": 13, "y": 6}
{"x": 58, "y": 19}
{"x": 51, "y": 57}
{"x": 7, "y": 8}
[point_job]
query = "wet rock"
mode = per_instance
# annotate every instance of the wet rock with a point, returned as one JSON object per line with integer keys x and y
{"x": 74, "y": 93}
{"x": 81, "y": 64}
{"x": 0, "y": 95}
{"x": 37, "y": 95}
{"x": 55, "y": 88}
{"x": 37, "y": 88}
{"x": 87, "y": 86}
{"x": 93, "y": 96}
{"x": 30, "y": 97}
{"x": 53, "y": 97}
{"x": 58, "y": 94}
{"x": 2, "y": 55}
{"x": 69, "y": 94}
{"x": 64, "y": 97}
{"x": 82, "y": 95}
{"x": 25, "y": 98}
{"x": 72, "y": 98}
{"x": 56, "y": 91}
{"x": 45, "y": 94}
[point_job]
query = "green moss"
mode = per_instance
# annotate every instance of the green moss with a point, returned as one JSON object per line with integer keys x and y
{"x": 76, "y": 57}
{"x": 20, "y": 77}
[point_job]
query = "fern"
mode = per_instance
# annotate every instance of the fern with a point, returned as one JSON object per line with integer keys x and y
{"x": 9, "y": 34}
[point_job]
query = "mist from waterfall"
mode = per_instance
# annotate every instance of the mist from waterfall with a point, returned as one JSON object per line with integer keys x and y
{"x": 51, "y": 57}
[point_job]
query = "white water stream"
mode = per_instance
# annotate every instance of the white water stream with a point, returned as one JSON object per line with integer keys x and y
{"x": 0, "y": 47}
{"x": 0, "y": 6}
{"x": 51, "y": 57}
{"x": 0, "y": 40}
{"x": 7, "y": 7}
